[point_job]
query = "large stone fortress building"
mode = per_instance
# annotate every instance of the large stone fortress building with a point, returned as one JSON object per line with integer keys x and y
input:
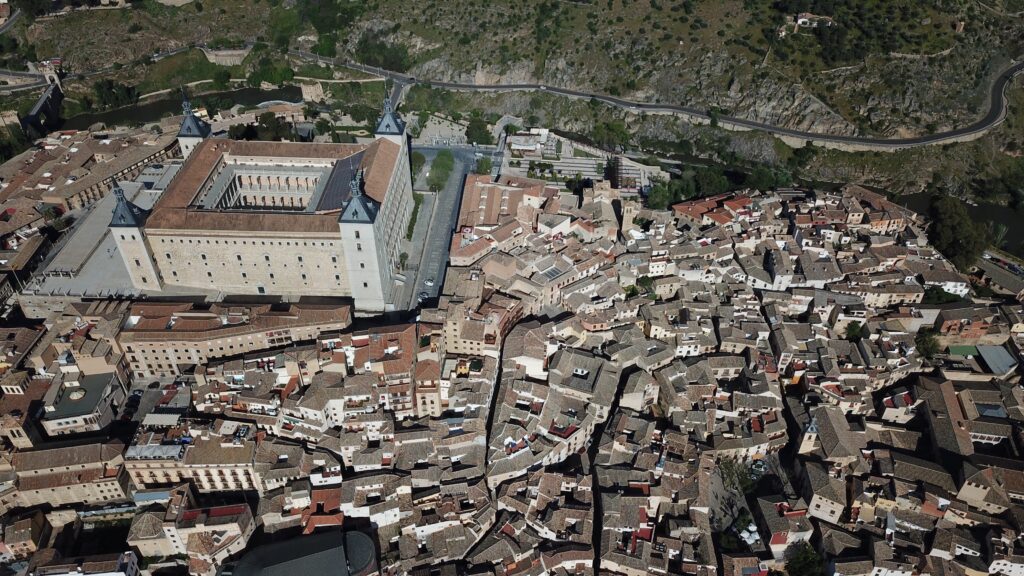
{"x": 278, "y": 218}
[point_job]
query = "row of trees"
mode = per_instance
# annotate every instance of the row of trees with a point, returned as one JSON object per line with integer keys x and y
{"x": 440, "y": 170}
{"x": 109, "y": 94}
{"x": 268, "y": 127}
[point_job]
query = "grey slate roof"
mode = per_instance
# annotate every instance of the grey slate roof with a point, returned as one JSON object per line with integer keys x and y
{"x": 127, "y": 214}
{"x": 390, "y": 123}
{"x": 343, "y": 554}
{"x": 360, "y": 207}
{"x": 191, "y": 125}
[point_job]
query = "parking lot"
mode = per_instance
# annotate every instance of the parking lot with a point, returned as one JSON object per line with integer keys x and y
{"x": 147, "y": 396}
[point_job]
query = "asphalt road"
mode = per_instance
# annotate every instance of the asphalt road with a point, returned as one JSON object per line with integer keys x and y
{"x": 10, "y": 21}
{"x": 994, "y": 116}
{"x": 443, "y": 220}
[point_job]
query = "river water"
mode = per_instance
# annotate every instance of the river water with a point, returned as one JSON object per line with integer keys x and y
{"x": 153, "y": 111}
{"x": 982, "y": 212}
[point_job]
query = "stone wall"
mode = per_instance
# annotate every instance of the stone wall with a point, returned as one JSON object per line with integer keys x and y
{"x": 233, "y": 57}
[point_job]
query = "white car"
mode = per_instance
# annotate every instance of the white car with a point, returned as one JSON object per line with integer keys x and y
{"x": 428, "y": 282}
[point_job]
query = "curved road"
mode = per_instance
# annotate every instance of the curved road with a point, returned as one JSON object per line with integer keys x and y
{"x": 10, "y": 21}
{"x": 995, "y": 115}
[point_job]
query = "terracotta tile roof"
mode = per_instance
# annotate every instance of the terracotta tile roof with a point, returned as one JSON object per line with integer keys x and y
{"x": 173, "y": 211}
{"x": 154, "y": 320}
{"x": 379, "y": 163}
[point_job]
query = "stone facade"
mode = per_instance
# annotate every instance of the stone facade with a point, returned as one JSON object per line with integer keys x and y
{"x": 276, "y": 218}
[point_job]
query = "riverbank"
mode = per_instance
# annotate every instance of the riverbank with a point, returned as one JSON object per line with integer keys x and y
{"x": 996, "y": 214}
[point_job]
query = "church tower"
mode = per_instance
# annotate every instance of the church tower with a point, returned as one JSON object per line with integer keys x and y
{"x": 193, "y": 130}
{"x": 127, "y": 227}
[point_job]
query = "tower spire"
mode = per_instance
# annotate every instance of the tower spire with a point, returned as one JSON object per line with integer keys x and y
{"x": 355, "y": 185}
{"x": 126, "y": 213}
{"x": 186, "y": 105}
{"x": 388, "y": 108}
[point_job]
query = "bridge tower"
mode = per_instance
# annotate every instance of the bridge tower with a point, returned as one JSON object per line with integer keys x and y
{"x": 53, "y": 71}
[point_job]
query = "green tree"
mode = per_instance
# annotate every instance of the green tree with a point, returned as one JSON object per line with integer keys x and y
{"x": 645, "y": 283}
{"x": 936, "y": 295}
{"x": 269, "y": 127}
{"x": 765, "y": 178}
{"x": 478, "y": 133}
{"x": 221, "y": 77}
{"x": 711, "y": 180}
{"x": 853, "y": 331}
{"x": 954, "y": 233}
{"x": 417, "y": 162}
{"x": 660, "y": 197}
{"x": 323, "y": 126}
{"x": 483, "y": 166}
{"x": 372, "y": 50}
{"x": 440, "y": 169}
{"x": 804, "y": 561}
{"x": 110, "y": 94}
{"x": 610, "y": 134}
{"x": 737, "y": 475}
{"x": 927, "y": 344}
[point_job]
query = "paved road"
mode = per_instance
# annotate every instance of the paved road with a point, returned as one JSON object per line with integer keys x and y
{"x": 42, "y": 83}
{"x": 20, "y": 74}
{"x": 10, "y": 21}
{"x": 995, "y": 115}
{"x": 443, "y": 220}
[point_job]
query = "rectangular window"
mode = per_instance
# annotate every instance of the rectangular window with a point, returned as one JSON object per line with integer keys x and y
{"x": 357, "y": 234}
{"x": 359, "y": 246}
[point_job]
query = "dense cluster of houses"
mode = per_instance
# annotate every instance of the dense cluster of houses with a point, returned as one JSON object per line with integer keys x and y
{"x": 705, "y": 390}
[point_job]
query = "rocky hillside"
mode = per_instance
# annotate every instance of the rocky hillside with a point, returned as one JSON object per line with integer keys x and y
{"x": 883, "y": 67}
{"x": 926, "y": 69}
